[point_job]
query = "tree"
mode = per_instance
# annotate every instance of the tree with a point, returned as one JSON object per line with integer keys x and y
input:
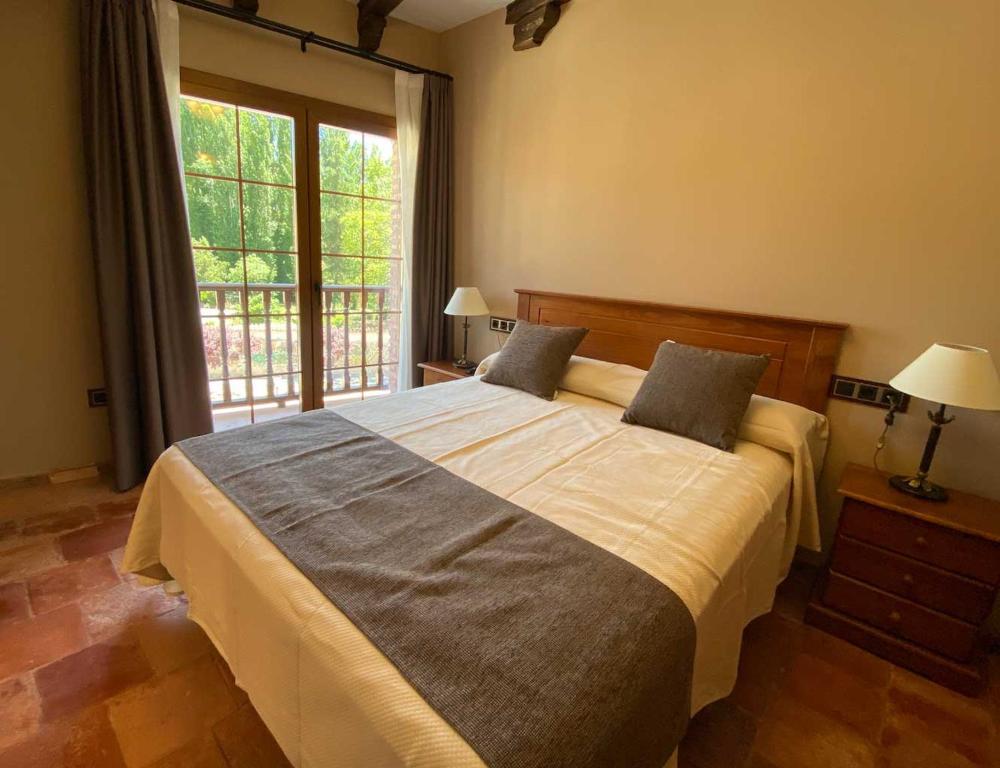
{"x": 353, "y": 168}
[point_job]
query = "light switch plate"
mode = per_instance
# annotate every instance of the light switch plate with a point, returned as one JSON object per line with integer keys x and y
{"x": 502, "y": 324}
{"x": 866, "y": 392}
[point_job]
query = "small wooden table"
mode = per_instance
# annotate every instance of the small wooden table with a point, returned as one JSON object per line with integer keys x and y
{"x": 439, "y": 371}
{"x": 912, "y": 580}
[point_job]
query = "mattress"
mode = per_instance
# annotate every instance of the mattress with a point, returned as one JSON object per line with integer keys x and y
{"x": 715, "y": 527}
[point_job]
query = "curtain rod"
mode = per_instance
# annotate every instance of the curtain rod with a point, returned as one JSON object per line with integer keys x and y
{"x": 308, "y": 38}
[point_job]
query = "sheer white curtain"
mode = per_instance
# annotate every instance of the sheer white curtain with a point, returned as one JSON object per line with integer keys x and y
{"x": 409, "y": 98}
{"x": 168, "y": 36}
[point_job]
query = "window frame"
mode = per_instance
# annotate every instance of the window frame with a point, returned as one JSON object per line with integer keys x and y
{"x": 318, "y": 119}
{"x": 308, "y": 113}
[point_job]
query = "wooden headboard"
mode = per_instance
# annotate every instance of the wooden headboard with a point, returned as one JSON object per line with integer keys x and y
{"x": 803, "y": 352}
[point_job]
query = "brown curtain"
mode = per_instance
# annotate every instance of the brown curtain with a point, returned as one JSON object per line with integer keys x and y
{"x": 154, "y": 362}
{"x": 433, "y": 225}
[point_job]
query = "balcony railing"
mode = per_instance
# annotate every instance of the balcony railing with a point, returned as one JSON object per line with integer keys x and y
{"x": 237, "y": 335}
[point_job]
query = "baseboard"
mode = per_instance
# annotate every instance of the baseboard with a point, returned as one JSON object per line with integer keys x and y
{"x": 21, "y": 480}
{"x": 56, "y": 476}
{"x": 70, "y": 475}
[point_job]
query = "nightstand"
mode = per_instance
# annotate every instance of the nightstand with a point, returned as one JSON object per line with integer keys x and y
{"x": 912, "y": 580}
{"x": 442, "y": 370}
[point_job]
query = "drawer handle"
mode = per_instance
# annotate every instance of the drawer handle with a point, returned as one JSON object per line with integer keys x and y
{"x": 895, "y": 618}
{"x": 908, "y": 579}
{"x": 921, "y": 541}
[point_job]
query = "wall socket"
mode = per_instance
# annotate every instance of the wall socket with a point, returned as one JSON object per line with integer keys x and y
{"x": 867, "y": 392}
{"x": 97, "y": 398}
{"x": 502, "y": 324}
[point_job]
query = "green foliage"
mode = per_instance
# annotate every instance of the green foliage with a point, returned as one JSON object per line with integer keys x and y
{"x": 379, "y": 228}
{"x": 227, "y": 267}
{"x": 340, "y": 160}
{"x": 208, "y": 138}
{"x": 267, "y": 147}
{"x": 340, "y": 222}
{"x": 351, "y": 164}
{"x": 269, "y": 217}
{"x": 379, "y": 176}
{"x": 213, "y": 211}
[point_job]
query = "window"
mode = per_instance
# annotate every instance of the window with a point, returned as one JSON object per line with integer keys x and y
{"x": 240, "y": 179}
{"x": 294, "y": 213}
{"x": 362, "y": 269}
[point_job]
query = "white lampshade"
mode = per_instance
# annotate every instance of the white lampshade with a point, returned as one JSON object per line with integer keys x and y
{"x": 467, "y": 302}
{"x": 952, "y": 374}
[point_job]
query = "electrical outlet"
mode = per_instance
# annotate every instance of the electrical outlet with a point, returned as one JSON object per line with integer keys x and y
{"x": 867, "y": 392}
{"x": 97, "y": 398}
{"x": 502, "y": 324}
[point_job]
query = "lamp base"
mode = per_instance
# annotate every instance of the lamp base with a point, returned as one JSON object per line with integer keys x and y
{"x": 465, "y": 365}
{"x": 919, "y": 486}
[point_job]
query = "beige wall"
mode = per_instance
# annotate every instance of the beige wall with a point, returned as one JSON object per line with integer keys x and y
{"x": 49, "y": 345}
{"x": 829, "y": 160}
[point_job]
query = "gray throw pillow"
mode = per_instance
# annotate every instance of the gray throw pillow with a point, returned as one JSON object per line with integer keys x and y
{"x": 697, "y": 393}
{"x": 534, "y": 358}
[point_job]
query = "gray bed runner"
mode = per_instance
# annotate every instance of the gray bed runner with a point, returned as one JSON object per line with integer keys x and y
{"x": 539, "y": 648}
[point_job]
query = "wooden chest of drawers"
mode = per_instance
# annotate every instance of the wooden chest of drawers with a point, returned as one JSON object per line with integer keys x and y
{"x": 912, "y": 580}
{"x": 440, "y": 371}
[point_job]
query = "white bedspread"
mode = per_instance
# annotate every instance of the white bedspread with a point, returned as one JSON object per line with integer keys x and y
{"x": 712, "y": 526}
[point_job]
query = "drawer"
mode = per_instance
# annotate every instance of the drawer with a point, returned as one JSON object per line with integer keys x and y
{"x": 435, "y": 377}
{"x": 976, "y": 558}
{"x": 943, "y": 591}
{"x": 971, "y": 678}
{"x": 899, "y": 617}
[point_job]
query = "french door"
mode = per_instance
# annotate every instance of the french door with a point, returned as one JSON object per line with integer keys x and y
{"x": 357, "y": 235}
{"x": 294, "y": 213}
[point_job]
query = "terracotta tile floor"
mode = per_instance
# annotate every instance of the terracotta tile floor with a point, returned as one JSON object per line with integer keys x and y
{"x": 96, "y": 670}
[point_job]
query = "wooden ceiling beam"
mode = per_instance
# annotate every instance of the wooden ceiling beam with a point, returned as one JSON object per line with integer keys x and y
{"x": 247, "y": 6}
{"x": 533, "y": 20}
{"x": 372, "y": 16}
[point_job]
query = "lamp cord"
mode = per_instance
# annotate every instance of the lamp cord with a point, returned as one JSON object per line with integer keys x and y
{"x": 879, "y": 446}
{"x": 890, "y": 417}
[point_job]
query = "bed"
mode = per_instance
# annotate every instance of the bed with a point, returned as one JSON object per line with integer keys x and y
{"x": 719, "y": 529}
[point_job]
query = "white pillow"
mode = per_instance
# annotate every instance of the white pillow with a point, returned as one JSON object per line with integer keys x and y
{"x": 803, "y": 435}
{"x": 593, "y": 378}
{"x": 612, "y": 382}
{"x": 485, "y": 364}
{"x": 772, "y": 423}
{"x": 784, "y": 427}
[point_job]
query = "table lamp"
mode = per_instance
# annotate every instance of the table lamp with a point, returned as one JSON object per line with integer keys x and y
{"x": 948, "y": 374}
{"x": 466, "y": 303}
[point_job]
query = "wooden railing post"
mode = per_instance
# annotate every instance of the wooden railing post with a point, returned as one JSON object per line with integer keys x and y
{"x": 381, "y": 320}
{"x": 328, "y": 336}
{"x": 220, "y": 302}
{"x": 266, "y": 293}
{"x": 347, "y": 340}
{"x": 288, "y": 292}
{"x": 247, "y": 359}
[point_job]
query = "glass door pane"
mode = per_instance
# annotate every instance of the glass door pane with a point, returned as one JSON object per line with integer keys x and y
{"x": 361, "y": 290}
{"x": 242, "y": 196}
